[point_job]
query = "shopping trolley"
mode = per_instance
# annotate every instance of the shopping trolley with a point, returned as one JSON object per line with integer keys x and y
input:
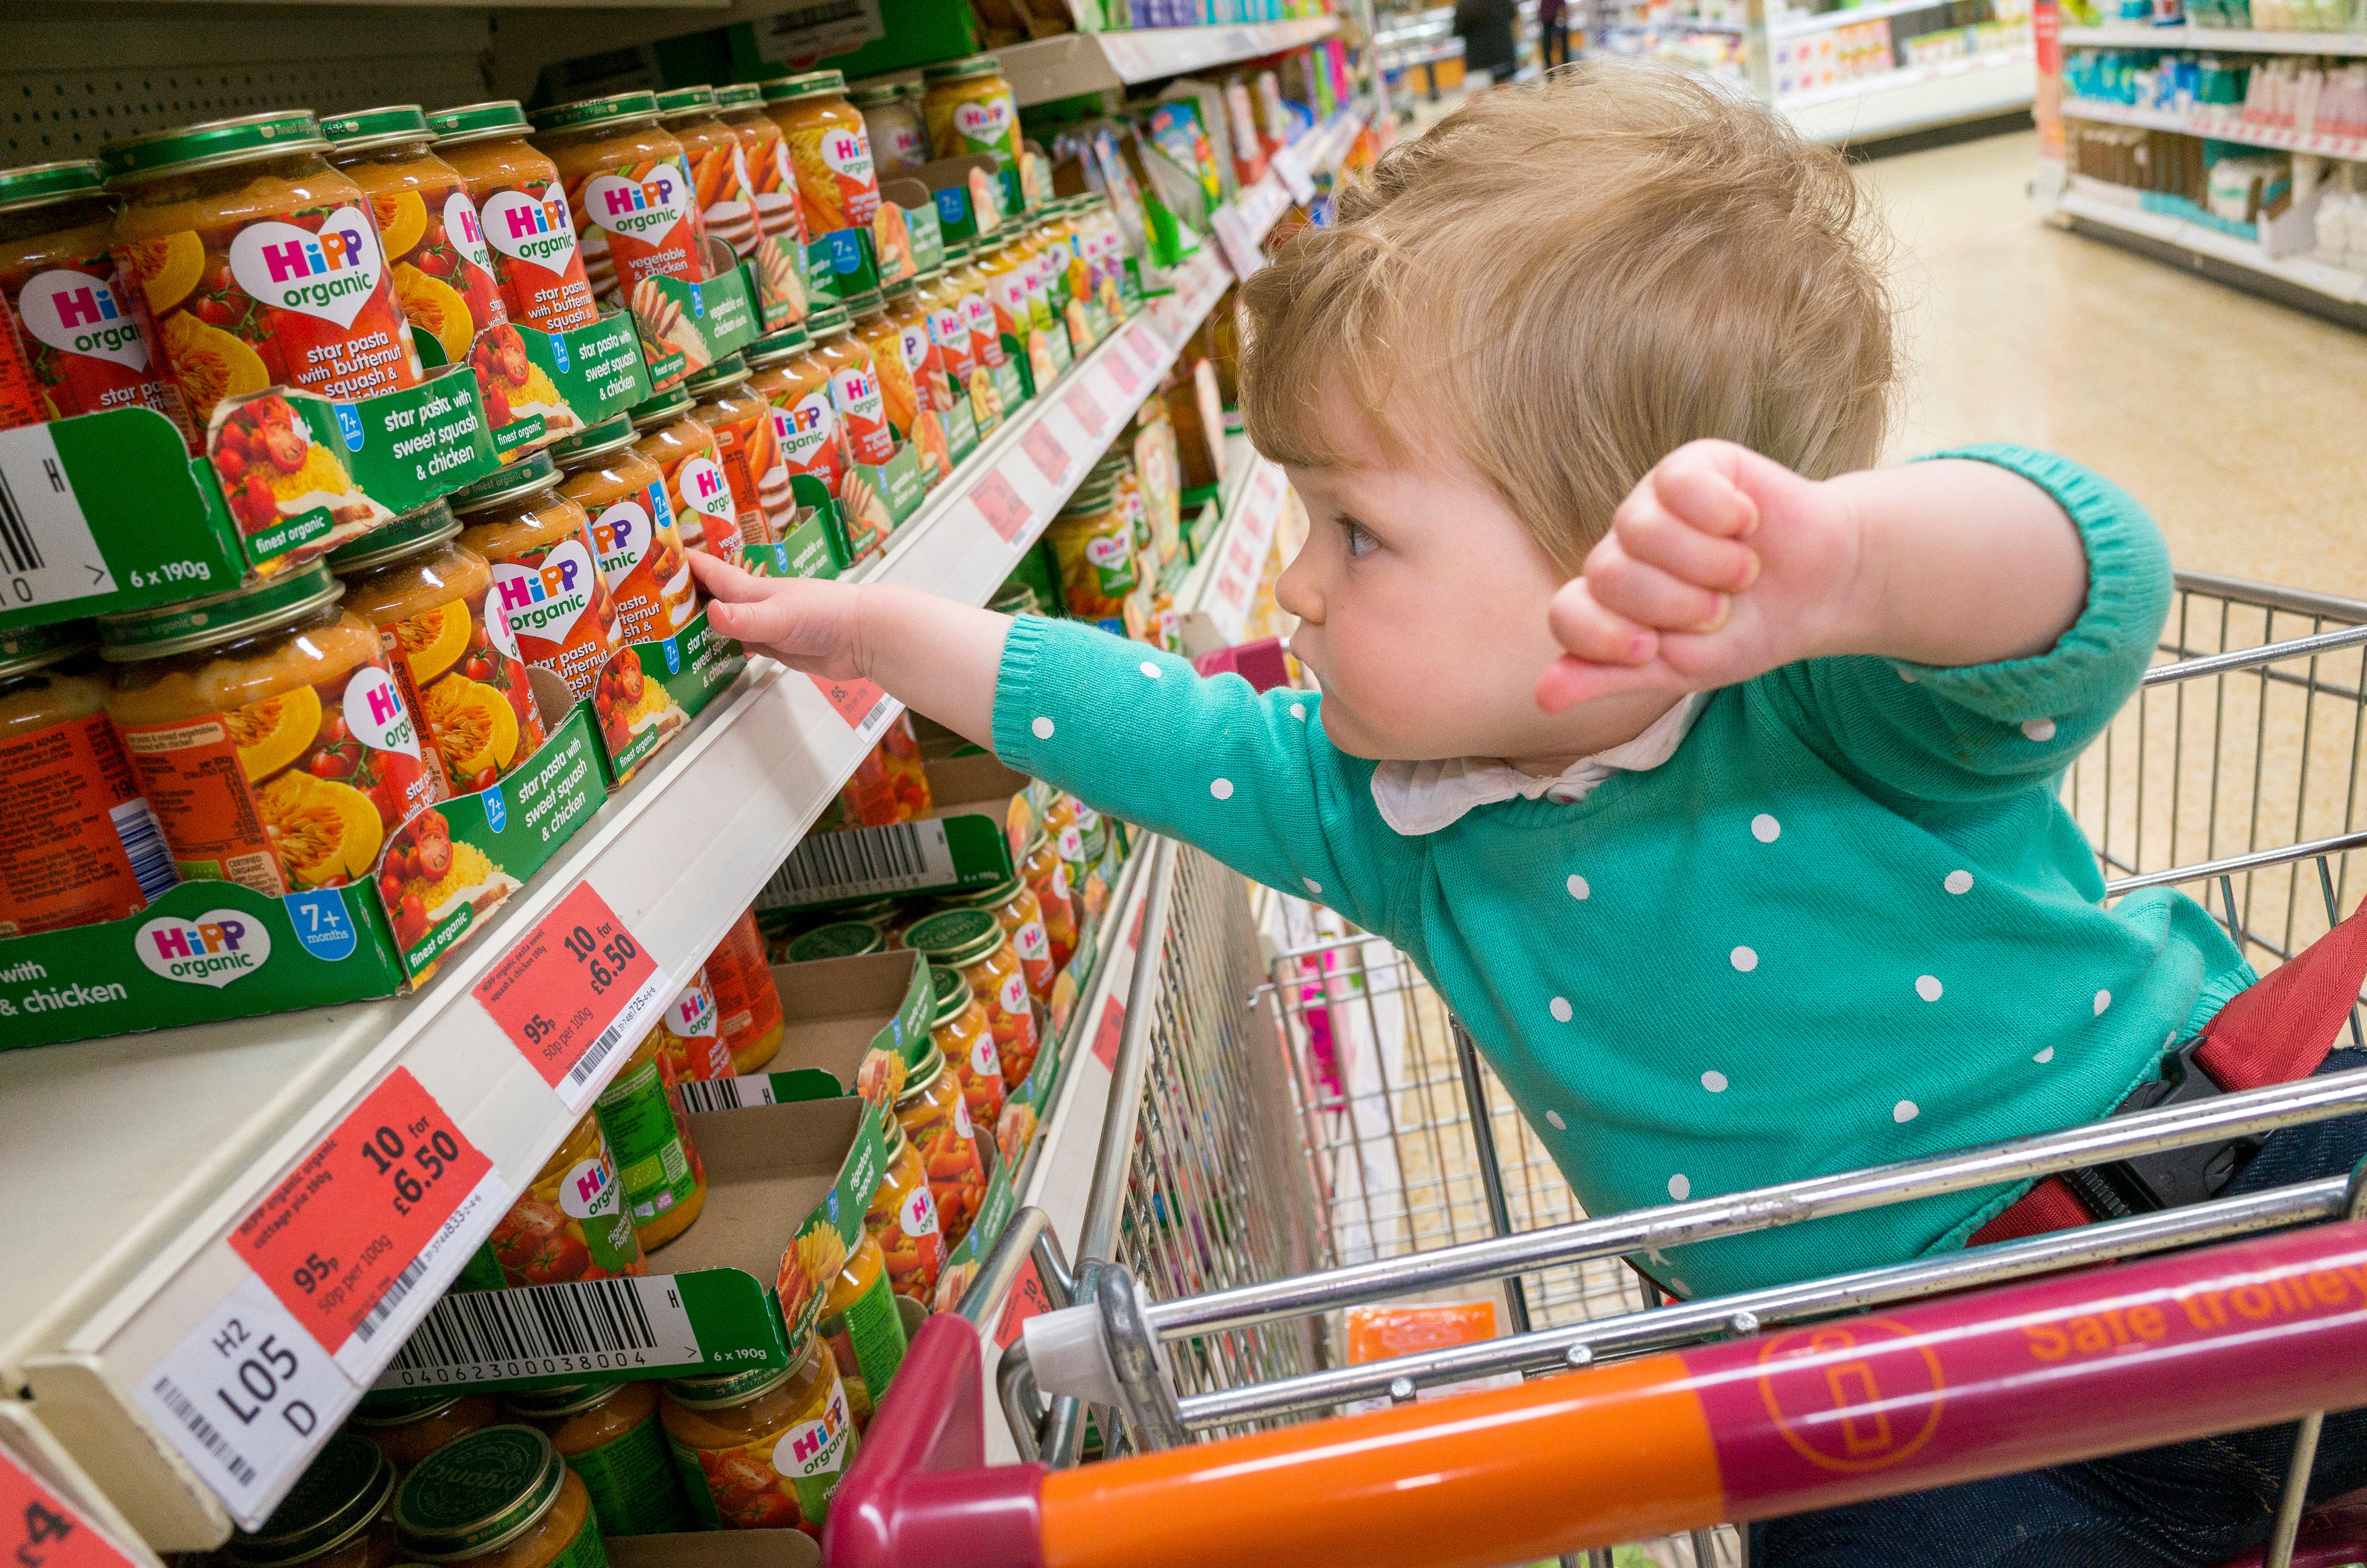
{"x": 1284, "y": 1143}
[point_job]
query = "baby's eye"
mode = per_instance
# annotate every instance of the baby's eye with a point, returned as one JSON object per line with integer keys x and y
{"x": 1360, "y": 539}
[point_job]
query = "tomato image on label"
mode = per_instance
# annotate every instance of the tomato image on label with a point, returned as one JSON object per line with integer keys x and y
{"x": 218, "y": 946}
{"x": 534, "y": 244}
{"x": 332, "y": 274}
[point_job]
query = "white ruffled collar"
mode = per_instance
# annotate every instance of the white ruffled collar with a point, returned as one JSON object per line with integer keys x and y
{"x": 1416, "y": 798}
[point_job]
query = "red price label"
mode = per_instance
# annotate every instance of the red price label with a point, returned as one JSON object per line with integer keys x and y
{"x": 341, "y": 1242}
{"x": 1045, "y": 451}
{"x": 38, "y": 1529}
{"x": 1083, "y": 409}
{"x": 571, "y": 990}
{"x": 1147, "y": 353}
{"x": 998, "y": 502}
{"x": 855, "y": 700}
{"x": 1027, "y": 1298}
{"x": 1106, "y": 1032}
{"x": 1127, "y": 376}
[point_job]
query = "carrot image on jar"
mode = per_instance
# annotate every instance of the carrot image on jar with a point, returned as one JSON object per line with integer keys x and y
{"x": 258, "y": 264}
{"x": 718, "y": 165}
{"x": 746, "y": 445}
{"x": 781, "y": 253}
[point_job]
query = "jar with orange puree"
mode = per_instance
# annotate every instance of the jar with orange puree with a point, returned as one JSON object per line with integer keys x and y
{"x": 748, "y": 449}
{"x": 864, "y": 1331}
{"x": 569, "y": 1223}
{"x": 935, "y": 1113}
{"x": 763, "y": 1449}
{"x": 972, "y": 940}
{"x": 855, "y": 389}
{"x": 612, "y": 1439}
{"x": 268, "y": 729}
{"x": 499, "y": 1498}
{"x": 1015, "y": 908}
{"x": 1046, "y": 876}
{"x": 664, "y": 1179}
{"x": 548, "y": 596}
{"x": 918, "y": 350}
{"x": 629, "y": 196}
{"x": 81, "y": 330}
{"x": 719, "y": 167}
{"x": 707, "y": 513}
{"x": 258, "y": 264}
{"x": 780, "y": 262}
{"x": 81, "y": 846}
{"x": 634, "y": 539}
{"x": 900, "y": 395}
{"x": 332, "y": 1516}
{"x": 789, "y": 373}
{"x": 443, "y": 273}
{"x": 838, "y": 187}
{"x": 970, "y": 110}
{"x": 689, "y": 1038}
{"x": 425, "y": 593}
{"x": 902, "y": 1218}
{"x": 940, "y": 301}
{"x": 408, "y": 1425}
{"x": 522, "y": 212}
{"x": 957, "y": 1024}
{"x": 1067, "y": 828}
{"x": 747, "y": 1003}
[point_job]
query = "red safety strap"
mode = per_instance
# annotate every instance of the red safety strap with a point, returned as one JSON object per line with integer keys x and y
{"x": 2273, "y": 1031}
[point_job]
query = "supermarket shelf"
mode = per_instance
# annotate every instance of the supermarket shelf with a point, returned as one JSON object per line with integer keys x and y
{"x": 1824, "y": 21}
{"x": 1422, "y": 54}
{"x": 2135, "y": 35}
{"x": 1915, "y": 99}
{"x": 1044, "y": 69}
{"x": 1215, "y": 597}
{"x": 1241, "y": 224}
{"x": 2333, "y": 291}
{"x": 121, "y": 1250}
{"x": 2223, "y": 127}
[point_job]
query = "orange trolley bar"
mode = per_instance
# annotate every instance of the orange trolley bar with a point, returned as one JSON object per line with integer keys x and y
{"x": 2065, "y": 1369}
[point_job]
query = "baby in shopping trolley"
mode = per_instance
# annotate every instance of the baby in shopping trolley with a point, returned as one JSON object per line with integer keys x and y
{"x": 1708, "y": 771}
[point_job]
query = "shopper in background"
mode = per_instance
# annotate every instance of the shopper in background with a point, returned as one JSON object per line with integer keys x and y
{"x": 1486, "y": 28}
{"x": 1709, "y": 773}
{"x": 1553, "y": 31}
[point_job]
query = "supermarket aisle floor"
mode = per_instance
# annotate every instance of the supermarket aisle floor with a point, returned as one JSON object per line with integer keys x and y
{"x": 2235, "y": 420}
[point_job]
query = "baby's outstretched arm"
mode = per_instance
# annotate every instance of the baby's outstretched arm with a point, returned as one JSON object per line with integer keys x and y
{"x": 1722, "y": 564}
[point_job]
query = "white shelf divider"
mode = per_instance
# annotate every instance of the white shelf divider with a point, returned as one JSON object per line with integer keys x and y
{"x": 2136, "y": 35}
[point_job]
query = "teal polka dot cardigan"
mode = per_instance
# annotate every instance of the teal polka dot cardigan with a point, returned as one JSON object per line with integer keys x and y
{"x": 1848, "y": 922}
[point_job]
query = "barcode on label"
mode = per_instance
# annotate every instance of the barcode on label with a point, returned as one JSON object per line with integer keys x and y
{"x": 544, "y": 1328}
{"x": 395, "y": 1293}
{"x": 627, "y": 1029}
{"x": 16, "y": 539}
{"x": 185, "y": 1410}
{"x": 725, "y": 1094}
{"x": 859, "y": 863}
{"x": 47, "y": 553}
{"x": 143, "y": 845}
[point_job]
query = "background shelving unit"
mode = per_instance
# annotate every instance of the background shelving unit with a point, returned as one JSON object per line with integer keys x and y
{"x": 1042, "y": 70}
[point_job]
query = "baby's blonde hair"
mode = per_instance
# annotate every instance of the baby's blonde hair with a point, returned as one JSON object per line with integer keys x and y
{"x": 1566, "y": 282}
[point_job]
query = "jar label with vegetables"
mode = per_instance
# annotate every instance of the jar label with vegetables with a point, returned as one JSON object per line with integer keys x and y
{"x": 443, "y": 277}
{"x": 641, "y": 561}
{"x": 570, "y": 1226}
{"x": 538, "y": 259}
{"x": 727, "y": 201}
{"x": 836, "y": 177}
{"x": 949, "y": 1149}
{"x": 813, "y": 1455}
{"x": 88, "y": 352}
{"x": 471, "y": 692}
{"x": 641, "y": 224}
{"x": 692, "y": 1038}
{"x": 298, "y": 790}
{"x": 855, "y": 394}
{"x": 552, "y": 606}
{"x": 985, "y": 334}
{"x": 750, "y": 448}
{"x": 808, "y": 436}
{"x": 78, "y": 845}
{"x": 707, "y": 506}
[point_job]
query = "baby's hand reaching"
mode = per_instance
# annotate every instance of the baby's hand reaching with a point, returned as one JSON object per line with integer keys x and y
{"x": 1720, "y": 565}
{"x": 807, "y": 623}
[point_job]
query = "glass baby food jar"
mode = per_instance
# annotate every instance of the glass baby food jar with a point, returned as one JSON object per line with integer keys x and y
{"x": 665, "y": 1180}
{"x": 629, "y": 195}
{"x": 862, "y": 1328}
{"x": 634, "y": 538}
{"x": 570, "y": 1223}
{"x": 83, "y": 846}
{"x": 923, "y": 362}
{"x": 523, "y": 214}
{"x": 957, "y": 1024}
{"x": 902, "y": 1218}
{"x": 690, "y": 1043}
{"x": 267, "y": 729}
{"x": 934, "y": 1114}
{"x": 707, "y": 513}
{"x": 838, "y": 939}
{"x": 973, "y": 941}
{"x": 747, "y": 444}
{"x": 717, "y": 165}
{"x": 499, "y": 1498}
{"x": 443, "y": 274}
{"x": 408, "y": 1425}
{"x": 1021, "y": 915}
{"x": 764, "y": 1449}
{"x": 891, "y": 122}
{"x": 81, "y": 331}
{"x": 548, "y": 594}
{"x": 970, "y": 110}
{"x": 258, "y": 264}
{"x": 612, "y": 1440}
{"x": 855, "y": 389}
{"x": 940, "y": 304}
{"x": 1046, "y": 876}
{"x": 426, "y": 594}
{"x": 899, "y": 396}
{"x": 838, "y": 187}
{"x": 330, "y": 1517}
{"x": 747, "y": 1003}
{"x": 794, "y": 380}
{"x": 781, "y": 257}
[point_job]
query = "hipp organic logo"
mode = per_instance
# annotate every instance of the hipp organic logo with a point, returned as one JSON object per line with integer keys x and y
{"x": 847, "y": 153}
{"x": 218, "y": 946}
{"x": 857, "y": 391}
{"x": 527, "y": 229}
{"x": 332, "y": 274}
{"x": 704, "y": 489}
{"x": 587, "y": 1191}
{"x": 813, "y": 1447}
{"x": 78, "y": 314}
{"x": 637, "y": 209}
{"x": 461, "y": 228}
{"x": 376, "y": 713}
{"x": 543, "y": 601}
{"x": 805, "y": 430}
{"x": 620, "y": 537}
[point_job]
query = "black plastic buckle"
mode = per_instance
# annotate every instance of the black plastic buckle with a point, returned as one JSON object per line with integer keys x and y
{"x": 2175, "y": 1177}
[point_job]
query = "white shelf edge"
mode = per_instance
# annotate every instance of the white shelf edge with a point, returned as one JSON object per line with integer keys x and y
{"x": 1902, "y": 101}
{"x": 1825, "y": 21}
{"x": 2335, "y": 283}
{"x": 2133, "y": 35}
{"x": 1066, "y": 64}
{"x": 677, "y": 853}
{"x": 2219, "y": 128}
